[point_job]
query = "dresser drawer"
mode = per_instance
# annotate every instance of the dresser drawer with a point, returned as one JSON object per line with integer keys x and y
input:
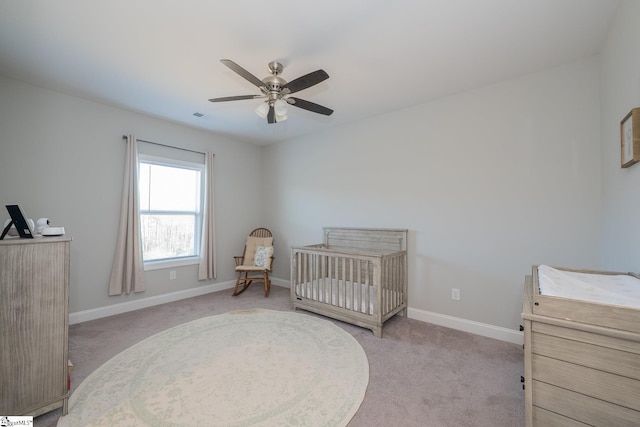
{"x": 601, "y": 385}
{"x": 581, "y": 408}
{"x": 607, "y": 359}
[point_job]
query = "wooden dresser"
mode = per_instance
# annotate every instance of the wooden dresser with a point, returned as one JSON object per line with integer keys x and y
{"x": 34, "y": 325}
{"x": 577, "y": 372}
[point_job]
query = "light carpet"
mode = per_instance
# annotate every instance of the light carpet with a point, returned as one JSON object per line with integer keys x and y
{"x": 242, "y": 368}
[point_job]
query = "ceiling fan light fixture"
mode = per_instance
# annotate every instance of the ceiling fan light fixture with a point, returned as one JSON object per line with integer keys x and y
{"x": 280, "y": 108}
{"x": 262, "y": 110}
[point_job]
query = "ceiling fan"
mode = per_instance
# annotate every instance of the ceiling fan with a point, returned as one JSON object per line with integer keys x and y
{"x": 275, "y": 90}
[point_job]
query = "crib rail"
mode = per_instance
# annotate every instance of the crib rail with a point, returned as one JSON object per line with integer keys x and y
{"x": 382, "y": 240}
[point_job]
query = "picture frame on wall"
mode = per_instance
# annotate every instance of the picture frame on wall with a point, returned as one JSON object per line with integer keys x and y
{"x": 630, "y": 138}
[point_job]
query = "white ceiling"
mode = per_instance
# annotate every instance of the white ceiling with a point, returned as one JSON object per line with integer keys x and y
{"x": 162, "y": 57}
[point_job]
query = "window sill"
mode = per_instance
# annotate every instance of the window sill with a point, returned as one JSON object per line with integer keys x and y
{"x": 159, "y": 265}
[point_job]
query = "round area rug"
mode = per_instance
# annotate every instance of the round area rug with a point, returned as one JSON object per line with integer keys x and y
{"x": 242, "y": 368}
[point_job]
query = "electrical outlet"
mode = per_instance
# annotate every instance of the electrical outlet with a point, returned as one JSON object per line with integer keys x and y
{"x": 172, "y": 275}
{"x": 455, "y": 294}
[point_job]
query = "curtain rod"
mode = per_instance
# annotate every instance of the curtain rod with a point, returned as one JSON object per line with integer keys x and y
{"x": 165, "y": 145}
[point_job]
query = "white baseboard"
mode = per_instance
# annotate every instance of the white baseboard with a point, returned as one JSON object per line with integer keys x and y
{"x": 110, "y": 310}
{"x": 483, "y": 329}
{"x": 281, "y": 283}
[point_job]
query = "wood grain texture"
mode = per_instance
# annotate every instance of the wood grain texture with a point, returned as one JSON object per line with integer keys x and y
{"x": 592, "y": 313}
{"x": 34, "y": 295}
{"x": 600, "y": 385}
{"x": 528, "y": 375}
{"x": 583, "y": 408}
{"x": 582, "y": 361}
{"x": 598, "y": 357}
{"x": 542, "y": 417}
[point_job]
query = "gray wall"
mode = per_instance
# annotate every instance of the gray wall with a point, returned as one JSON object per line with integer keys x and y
{"x": 488, "y": 182}
{"x": 620, "y": 92}
{"x": 62, "y": 157}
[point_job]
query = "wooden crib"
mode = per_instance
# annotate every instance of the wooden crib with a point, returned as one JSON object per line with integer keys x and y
{"x": 358, "y": 275}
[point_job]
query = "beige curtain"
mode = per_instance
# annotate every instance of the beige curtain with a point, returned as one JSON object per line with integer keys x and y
{"x": 127, "y": 273}
{"x": 208, "y": 268}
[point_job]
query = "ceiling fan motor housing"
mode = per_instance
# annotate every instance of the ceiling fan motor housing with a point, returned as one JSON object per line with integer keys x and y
{"x": 274, "y": 82}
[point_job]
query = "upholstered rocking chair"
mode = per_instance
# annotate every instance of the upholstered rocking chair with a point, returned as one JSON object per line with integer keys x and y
{"x": 256, "y": 262}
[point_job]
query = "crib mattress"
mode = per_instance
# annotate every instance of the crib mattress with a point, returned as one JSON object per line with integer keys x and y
{"x": 615, "y": 289}
{"x": 333, "y": 293}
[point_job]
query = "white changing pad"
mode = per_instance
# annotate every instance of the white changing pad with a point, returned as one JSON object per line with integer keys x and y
{"x": 622, "y": 290}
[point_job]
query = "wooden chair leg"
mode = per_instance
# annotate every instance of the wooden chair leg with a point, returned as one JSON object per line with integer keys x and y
{"x": 235, "y": 290}
{"x": 245, "y": 281}
{"x": 267, "y": 284}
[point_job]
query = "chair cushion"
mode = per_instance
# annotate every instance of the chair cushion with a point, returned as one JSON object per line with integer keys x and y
{"x": 263, "y": 256}
{"x": 252, "y": 244}
{"x": 250, "y": 268}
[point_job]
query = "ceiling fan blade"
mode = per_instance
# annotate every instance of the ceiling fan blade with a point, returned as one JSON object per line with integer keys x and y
{"x": 311, "y": 106}
{"x": 305, "y": 81}
{"x": 242, "y": 72}
{"x": 271, "y": 117}
{"x": 235, "y": 98}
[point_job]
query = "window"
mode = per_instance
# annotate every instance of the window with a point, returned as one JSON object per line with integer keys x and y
{"x": 171, "y": 194}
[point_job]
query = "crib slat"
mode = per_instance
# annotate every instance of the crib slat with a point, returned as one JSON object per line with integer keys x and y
{"x": 358, "y": 286}
{"x": 327, "y": 297}
{"x": 368, "y": 288}
{"x": 397, "y": 282}
{"x": 342, "y": 279}
{"x": 323, "y": 277}
{"x": 299, "y": 272}
{"x": 332, "y": 266}
{"x": 391, "y": 294}
{"x": 307, "y": 276}
{"x": 350, "y": 285}
{"x": 386, "y": 278}
{"x": 384, "y": 300}
{"x": 386, "y": 291}
{"x": 314, "y": 276}
{"x": 305, "y": 279}
{"x": 384, "y": 288}
{"x": 398, "y": 272}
